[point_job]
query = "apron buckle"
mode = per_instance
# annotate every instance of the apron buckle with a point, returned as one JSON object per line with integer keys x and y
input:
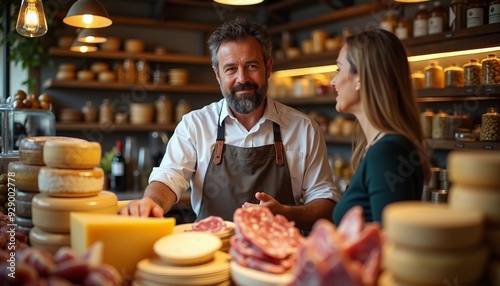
{"x": 278, "y": 146}
{"x": 219, "y": 145}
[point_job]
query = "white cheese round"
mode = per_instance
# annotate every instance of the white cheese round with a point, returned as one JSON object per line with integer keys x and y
{"x": 70, "y": 183}
{"x": 481, "y": 199}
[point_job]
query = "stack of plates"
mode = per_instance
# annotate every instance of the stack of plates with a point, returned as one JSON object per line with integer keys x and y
{"x": 223, "y": 235}
{"x": 189, "y": 258}
{"x": 178, "y": 76}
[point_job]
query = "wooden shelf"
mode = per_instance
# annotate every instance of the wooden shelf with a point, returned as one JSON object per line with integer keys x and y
{"x": 105, "y": 128}
{"x": 121, "y": 55}
{"x": 191, "y": 88}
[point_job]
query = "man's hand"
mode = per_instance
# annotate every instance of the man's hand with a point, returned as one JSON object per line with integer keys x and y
{"x": 144, "y": 207}
{"x": 266, "y": 201}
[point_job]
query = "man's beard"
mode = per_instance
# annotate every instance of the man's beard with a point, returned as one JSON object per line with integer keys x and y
{"x": 247, "y": 102}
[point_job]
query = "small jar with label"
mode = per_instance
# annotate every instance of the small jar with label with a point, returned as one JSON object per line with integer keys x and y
{"x": 426, "y": 122}
{"x": 164, "y": 110}
{"x": 142, "y": 72}
{"x": 389, "y": 21}
{"x": 490, "y": 72}
{"x": 106, "y": 112}
{"x": 453, "y": 76}
{"x": 129, "y": 70}
{"x": 490, "y": 125}
{"x": 89, "y": 112}
{"x": 420, "y": 21}
{"x": 476, "y": 13}
{"x": 403, "y": 29}
{"x": 438, "y": 19}
{"x": 494, "y": 12}
{"x": 434, "y": 75}
{"x": 472, "y": 73}
{"x": 440, "y": 126}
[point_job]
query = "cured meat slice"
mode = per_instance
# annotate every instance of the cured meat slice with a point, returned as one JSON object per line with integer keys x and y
{"x": 248, "y": 250}
{"x": 211, "y": 224}
{"x": 274, "y": 235}
{"x": 352, "y": 223}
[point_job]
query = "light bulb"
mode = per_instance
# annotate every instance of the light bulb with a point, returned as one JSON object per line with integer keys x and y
{"x": 31, "y": 19}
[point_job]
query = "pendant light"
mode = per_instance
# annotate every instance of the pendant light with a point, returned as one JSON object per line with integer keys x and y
{"x": 91, "y": 36}
{"x": 239, "y": 2}
{"x": 87, "y": 14}
{"x": 31, "y": 20}
{"x": 83, "y": 47}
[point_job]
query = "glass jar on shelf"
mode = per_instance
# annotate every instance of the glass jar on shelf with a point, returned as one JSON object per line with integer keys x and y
{"x": 490, "y": 70}
{"x": 494, "y": 11}
{"x": 438, "y": 19}
{"x": 434, "y": 75}
{"x": 106, "y": 112}
{"x": 420, "y": 21}
{"x": 476, "y": 13}
{"x": 426, "y": 122}
{"x": 490, "y": 125}
{"x": 440, "y": 125}
{"x": 472, "y": 73}
{"x": 453, "y": 76}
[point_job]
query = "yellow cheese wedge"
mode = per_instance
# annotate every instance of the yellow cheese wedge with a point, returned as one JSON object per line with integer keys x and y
{"x": 431, "y": 226}
{"x": 51, "y": 214}
{"x": 71, "y": 155}
{"x": 31, "y": 148}
{"x": 25, "y": 176}
{"x": 475, "y": 168}
{"x": 493, "y": 240}
{"x": 484, "y": 200}
{"x": 127, "y": 240}
{"x": 49, "y": 241}
{"x": 70, "y": 183}
{"x": 494, "y": 273}
{"x": 435, "y": 267}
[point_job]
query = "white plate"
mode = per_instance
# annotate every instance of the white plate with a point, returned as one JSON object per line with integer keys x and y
{"x": 188, "y": 248}
{"x": 244, "y": 276}
{"x": 187, "y": 227}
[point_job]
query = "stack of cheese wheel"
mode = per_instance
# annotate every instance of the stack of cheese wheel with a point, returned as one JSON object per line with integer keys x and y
{"x": 25, "y": 176}
{"x": 432, "y": 244}
{"x": 476, "y": 186}
{"x": 70, "y": 182}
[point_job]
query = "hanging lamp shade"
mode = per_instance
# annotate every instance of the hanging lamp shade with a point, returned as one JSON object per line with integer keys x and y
{"x": 83, "y": 47}
{"x": 91, "y": 36}
{"x": 87, "y": 14}
{"x": 239, "y": 2}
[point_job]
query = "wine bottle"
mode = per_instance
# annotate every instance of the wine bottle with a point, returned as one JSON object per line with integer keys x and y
{"x": 118, "y": 180}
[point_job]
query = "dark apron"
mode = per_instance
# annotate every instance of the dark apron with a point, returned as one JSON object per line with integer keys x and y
{"x": 235, "y": 174}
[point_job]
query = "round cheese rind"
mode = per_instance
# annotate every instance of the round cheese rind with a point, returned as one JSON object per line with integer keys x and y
{"x": 25, "y": 177}
{"x": 474, "y": 168}
{"x": 435, "y": 267}
{"x": 31, "y": 148}
{"x": 432, "y": 226}
{"x": 484, "y": 200}
{"x": 72, "y": 155}
{"x": 51, "y": 214}
{"x": 70, "y": 183}
{"x": 48, "y": 241}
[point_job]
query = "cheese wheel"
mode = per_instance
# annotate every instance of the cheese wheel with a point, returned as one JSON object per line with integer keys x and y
{"x": 71, "y": 154}
{"x": 493, "y": 240}
{"x": 25, "y": 176}
{"x": 432, "y": 226}
{"x": 70, "y": 183}
{"x": 49, "y": 241}
{"x": 475, "y": 168}
{"x": 386, "y": 278}
{"x": 494, "y": 273}
{"x": 434, "y": 267}
{"x": 484, "y": 200}
{"x": 31, "y": 148}
{"x": 51, "y": 214}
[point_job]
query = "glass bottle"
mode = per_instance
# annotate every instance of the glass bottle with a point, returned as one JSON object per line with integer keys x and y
{"x": 389, "y": 21}
{"x": 457, "y": 14}
{"x": 494, "y": 12}
{"x": 420, "y": 21}
{"x": 490, "y": 72}
{"x": 490, "y": 125}
{"x": 118, "y": 177}
{"x": 453, "y": 76}
{"x": 403, "y": 30}
{"x": 426, "y": 122}
{"x": 475, "y": 13}
{"x": 434, "y": 75}
{"x": 472, "y": 73}
{"x": 438, "y": 19}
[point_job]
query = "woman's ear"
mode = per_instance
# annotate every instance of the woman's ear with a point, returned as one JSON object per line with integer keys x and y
{"x": 358, "y": 82}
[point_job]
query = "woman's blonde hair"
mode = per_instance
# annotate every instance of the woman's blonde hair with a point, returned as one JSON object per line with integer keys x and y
{"x": 387, "y": 95}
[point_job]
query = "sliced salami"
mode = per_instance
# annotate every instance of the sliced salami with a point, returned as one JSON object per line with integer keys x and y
{"x": 211, "y": 224}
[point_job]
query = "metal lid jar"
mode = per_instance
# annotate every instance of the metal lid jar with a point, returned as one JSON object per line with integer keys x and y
{"x": 490, "y": 125}
{"x": 434, "y": 75}
{"x": 490, "y": 70}
{"x": 472, "y": 73}
{"x": 453, "y": 76}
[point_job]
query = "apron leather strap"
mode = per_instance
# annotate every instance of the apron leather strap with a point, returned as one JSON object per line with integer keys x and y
{"x": 219, "y": 144}
{"x": 278, "y": 144}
